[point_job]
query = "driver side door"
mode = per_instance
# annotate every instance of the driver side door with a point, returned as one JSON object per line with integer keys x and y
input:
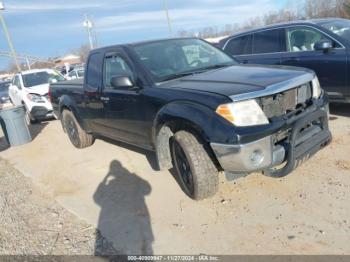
{"x": 124, "y": 108}
{"x": 330, "y": 66}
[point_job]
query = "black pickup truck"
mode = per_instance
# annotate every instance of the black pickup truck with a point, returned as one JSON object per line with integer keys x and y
{"x": 197, "y": 108}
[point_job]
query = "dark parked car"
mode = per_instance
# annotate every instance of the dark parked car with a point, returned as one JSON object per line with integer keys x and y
{"x": 321, "y": 45}
{"x": 4, "y": 92}
{"x": 197, "y": 108}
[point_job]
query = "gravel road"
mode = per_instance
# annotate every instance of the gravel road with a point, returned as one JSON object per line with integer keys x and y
{"x": 33, "y": 223}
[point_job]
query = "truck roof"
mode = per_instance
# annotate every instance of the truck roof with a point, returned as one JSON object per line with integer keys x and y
{"x": 141, "y": 43}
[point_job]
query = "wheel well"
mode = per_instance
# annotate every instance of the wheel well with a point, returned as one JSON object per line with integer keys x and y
{"x": 165, "y": 134}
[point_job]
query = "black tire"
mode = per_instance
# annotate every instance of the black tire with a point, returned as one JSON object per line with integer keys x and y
{"x": 196, "y": 172}
{"x": 78, "y": 137}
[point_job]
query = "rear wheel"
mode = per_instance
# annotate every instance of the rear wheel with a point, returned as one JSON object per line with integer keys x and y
{"x": 78, "y": 137}
{"x": 196, "y": 171}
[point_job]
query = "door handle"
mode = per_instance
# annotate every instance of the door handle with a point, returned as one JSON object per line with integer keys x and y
{"x": 104, "y": 98}
{"x": 245, "y": 61}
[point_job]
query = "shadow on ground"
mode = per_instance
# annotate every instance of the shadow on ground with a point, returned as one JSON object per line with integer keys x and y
{"x": 124, "y": 218}
{"x": 34, "y": 131}
{"x": 339, "y": 110}
{"x": 150, "y": 155}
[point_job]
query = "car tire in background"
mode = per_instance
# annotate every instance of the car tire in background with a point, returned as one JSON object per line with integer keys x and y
{"x": 29, "y": 119}
{"x": 196, "y": 172}
{"x": 78, "y": 137}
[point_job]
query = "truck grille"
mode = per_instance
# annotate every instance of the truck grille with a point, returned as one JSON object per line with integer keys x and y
{"x": 287, "y": 101}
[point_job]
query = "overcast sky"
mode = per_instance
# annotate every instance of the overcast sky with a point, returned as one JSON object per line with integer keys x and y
{"x": 52, "y": 28}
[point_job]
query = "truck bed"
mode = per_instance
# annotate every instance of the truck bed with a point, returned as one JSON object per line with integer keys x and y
{"x": 79, "y": 81}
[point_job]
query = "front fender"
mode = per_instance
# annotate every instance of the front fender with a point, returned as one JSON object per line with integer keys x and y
{"x": 201, "y": 118}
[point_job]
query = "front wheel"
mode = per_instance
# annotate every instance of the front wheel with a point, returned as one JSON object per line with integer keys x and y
{"x": 196, "y": 171}
{"x": 78, "y": 137}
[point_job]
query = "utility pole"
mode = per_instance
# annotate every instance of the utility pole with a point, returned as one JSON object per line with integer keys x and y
{"x": 7, "y": 34}
{"x": 89, "y": 27}
{"x": 168, "y": 17}
{"x": 28, "y": 64}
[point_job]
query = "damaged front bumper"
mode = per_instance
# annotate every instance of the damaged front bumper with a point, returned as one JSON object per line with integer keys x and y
{"x": 305, "y": 134}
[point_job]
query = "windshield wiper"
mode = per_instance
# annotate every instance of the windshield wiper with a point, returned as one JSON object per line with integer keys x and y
{"x": 200, "y": 70}
{"x": 177, "y": 75}
{"x": 213, "y": 67}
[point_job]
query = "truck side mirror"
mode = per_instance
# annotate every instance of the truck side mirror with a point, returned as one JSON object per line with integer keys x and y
{"x": 121, "y": 82}
{"x": 323, "y": 45}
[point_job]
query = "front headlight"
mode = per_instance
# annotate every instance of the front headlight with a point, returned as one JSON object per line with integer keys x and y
{"x": 316, "y": 88}
{"x": 35, "y": 98}
{"x": 244, "y": 113}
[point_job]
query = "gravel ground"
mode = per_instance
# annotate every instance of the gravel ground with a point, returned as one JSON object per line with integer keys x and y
{"x": 33, "y": 223}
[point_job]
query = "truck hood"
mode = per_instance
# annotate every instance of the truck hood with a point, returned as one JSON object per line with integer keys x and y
{"x": 235, "y": 81}
{"x": 39, "y": 89}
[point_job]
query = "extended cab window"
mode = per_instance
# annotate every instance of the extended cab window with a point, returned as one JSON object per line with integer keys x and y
{"x": 239, "y": 46}
{"x": 93, "y": 71}
{"x": 304, "y": 39}
{"x": 115, "y": 65}
{"x": 267, "y": 42}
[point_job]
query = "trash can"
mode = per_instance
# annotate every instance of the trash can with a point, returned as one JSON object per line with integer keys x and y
{"x": 14, "y": 125}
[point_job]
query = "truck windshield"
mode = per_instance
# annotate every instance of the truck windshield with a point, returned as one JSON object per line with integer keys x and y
{"x": 175, "y": 58}
{"x": 39, "y": 78}
{"x": 338, "y": 27}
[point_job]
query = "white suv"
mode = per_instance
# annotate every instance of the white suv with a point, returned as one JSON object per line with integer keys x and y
{"x": 30, "y": 88}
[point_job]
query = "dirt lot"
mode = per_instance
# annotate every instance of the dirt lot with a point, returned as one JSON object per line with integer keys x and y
{"x": 114, "y": 188}
{"x": 33, "y": 223}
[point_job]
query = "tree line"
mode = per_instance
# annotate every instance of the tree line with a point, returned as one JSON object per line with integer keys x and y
{"x": 294, "y": 10}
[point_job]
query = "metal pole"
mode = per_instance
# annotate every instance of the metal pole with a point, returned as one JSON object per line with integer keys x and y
{"x": 90, "y": 38}
{"x": 28, "y": 64}
{"x": 9, "y": 42}
{"x": 88, "y": 25}
{"x": 168, "y": 17}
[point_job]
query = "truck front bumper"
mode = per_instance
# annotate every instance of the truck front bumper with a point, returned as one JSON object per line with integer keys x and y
{"x": 306, "y": 135}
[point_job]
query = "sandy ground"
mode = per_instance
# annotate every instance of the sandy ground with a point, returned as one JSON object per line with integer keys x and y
{"x": 114, "y": 188}
{"x": 32, "y": 222}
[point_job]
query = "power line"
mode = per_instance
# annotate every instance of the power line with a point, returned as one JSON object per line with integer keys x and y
{"x": 27, "y": 58}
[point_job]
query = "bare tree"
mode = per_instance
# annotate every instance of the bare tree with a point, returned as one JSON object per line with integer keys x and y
{"x": 82, "y": 51}
{"x": 293, "y": 10}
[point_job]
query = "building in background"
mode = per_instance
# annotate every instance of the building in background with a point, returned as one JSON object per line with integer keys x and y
{"x": 68, "y": 59}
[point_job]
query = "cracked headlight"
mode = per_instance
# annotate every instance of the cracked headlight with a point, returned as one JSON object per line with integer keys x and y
{"x": 36, "y": 98}
{"x": 244, "y": 113}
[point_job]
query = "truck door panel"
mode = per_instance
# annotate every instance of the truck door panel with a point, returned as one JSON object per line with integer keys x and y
{"x": 123, "y": 108}
{"x": 91, "y": 109}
